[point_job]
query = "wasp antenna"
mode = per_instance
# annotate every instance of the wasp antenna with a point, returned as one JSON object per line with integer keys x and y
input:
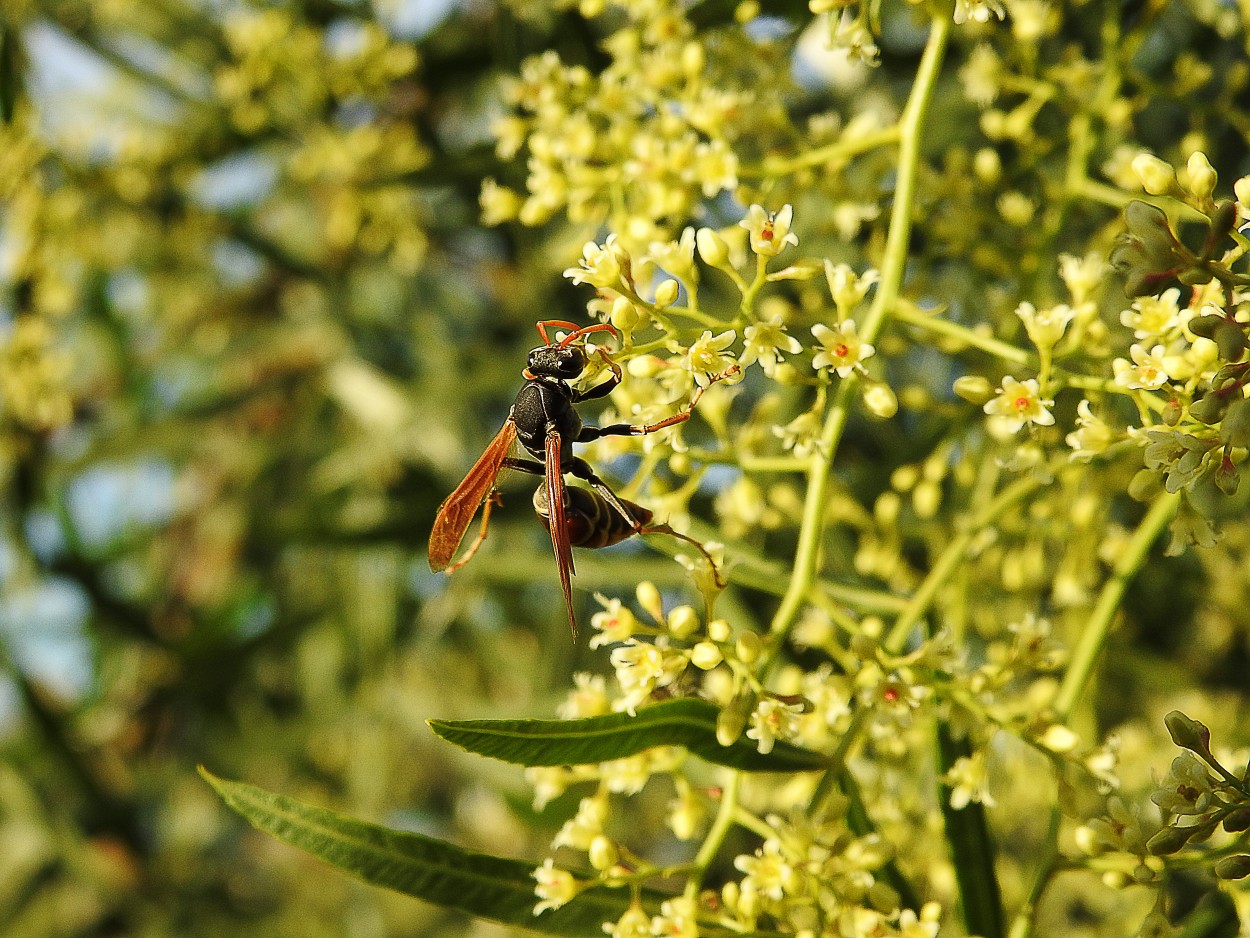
{"x": 590, "y": 330}
{"x": 555, "y": 323}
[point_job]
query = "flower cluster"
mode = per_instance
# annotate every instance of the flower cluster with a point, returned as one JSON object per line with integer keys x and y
{"x": 637, "y": 145}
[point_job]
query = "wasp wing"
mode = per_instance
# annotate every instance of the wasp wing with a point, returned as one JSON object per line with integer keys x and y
{"x": 559, "y": 521}
{"x": 458, "y": 509}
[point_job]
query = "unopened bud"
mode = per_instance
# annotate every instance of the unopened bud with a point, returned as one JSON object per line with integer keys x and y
{"x": 624, "y": 314}
{"x": 1188, "y": 733}
{"x": 880, "y": 400}
{"x": 1202, "y": 177}
{"x": 712, "y": 247}
{"x": 718, "y": 630}
{"x": 1168, "y": 841}
{"x": 693, "y": 59}
{"x": 1241, "y": 189}
{"x": 603, "y": 853}
{"x": 666, "y": 293}
{"x": 649, "y": 600}
{"x": 1156, "y": 176}
{"x": 1235, "y": 867}
{"x": 731, "y": 721}
{"x": 682, "y": 622}
{"x": 705, "y": 656}
{"x": 926, "y": 498}
{"x": 987, "y": 166}
{"x": 748, "y": 647}
{"x": 975, "y": 389}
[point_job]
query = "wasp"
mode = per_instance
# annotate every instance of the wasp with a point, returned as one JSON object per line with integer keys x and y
{"x": 544, "y": 419}
{"x": 593, "y": 522}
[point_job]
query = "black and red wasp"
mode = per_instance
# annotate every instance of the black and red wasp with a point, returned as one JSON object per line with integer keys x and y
{"x": 544, "y": 419}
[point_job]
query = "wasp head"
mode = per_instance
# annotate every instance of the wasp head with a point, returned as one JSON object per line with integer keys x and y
{"x": 554, "y": 361}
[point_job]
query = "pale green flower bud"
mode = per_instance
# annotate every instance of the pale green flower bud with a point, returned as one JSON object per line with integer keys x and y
{"x": 1156, "y": 176}
{"x": 975, "y": 389}
{"x": 1202, "y": 177}
{"x": 987, "y": 166}
{"x": 693, "y": 59}
{"x": 749, "y": 647}
{"x": 731, "y": 721}
{"x": 1241, "y": 189}
{"x": 603, "y": 854}
{"x": 718, "y": 630}
{"x": 712, "y": 247}
{"x": 624, "y": 314}
{"x": 880, "y": 401}
{"x": 666, "y": 293}
{"x": 649, "y": 600}
{"x": 887, "y": 507}
{"x": 705, "y": 656}
{"x": 682, "y": 622}
{"x": 926, "y": 499}
{"x": 1188, "y": 733}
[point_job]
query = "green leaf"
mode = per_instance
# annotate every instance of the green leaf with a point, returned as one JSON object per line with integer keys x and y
{"x": 438, "y": 872}
{"x": 686, "y": 722}
{"x": 971, "y": 847}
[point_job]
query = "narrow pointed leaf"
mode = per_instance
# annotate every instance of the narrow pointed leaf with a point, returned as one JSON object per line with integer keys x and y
{"x": 433, "y": 870}
{"x": 686, "y": 722}
{"x": 438, "y": 872}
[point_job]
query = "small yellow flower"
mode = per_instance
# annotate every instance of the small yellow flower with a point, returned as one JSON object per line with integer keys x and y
{"x": 1045, "y": 326}
{"x": 765, "y": 341}
{"x": 968, "y": 779}
{"x": 1091, "y": 436}
{"x": 841, "y": 349}
{"x": 706, "y": 358}
{"x": 599, "y": 266}
{"x": 1145, "y": 372}
{"x": 1153, "y": 317}
{"x": 1018, "y": 403}
{"x": 772, "y": 720}
{"x": 555, "y": 887}
{"x": 615, "y": 623}
{"x": 770, "y": 232}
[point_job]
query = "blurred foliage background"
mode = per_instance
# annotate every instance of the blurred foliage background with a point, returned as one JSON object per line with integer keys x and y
{"x": 252, "y": 333}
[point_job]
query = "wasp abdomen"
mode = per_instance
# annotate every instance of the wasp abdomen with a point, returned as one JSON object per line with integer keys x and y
{"x": 592, "y": 522}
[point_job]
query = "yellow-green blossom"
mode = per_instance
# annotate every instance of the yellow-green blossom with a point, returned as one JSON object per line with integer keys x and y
{"x": 769, "y": 232}
{"x": 841, "y": 349}
{"x": 1018, "y": 403}
{"x": 706, "y": 358}
{"x": 555, "y": 887}
{"x": 1145, "y": 372}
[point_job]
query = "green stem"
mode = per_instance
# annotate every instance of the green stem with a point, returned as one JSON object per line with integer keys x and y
{"x": 716, "y": 836}
{"x": 893, "y": 265}
{"x": 1005, "y": 351}
{"x": 843, "y": 149}
{"x": 1094, "y": 634}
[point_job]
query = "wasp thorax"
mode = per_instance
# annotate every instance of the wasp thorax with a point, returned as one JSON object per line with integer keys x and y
{"x": 556, "y": 362}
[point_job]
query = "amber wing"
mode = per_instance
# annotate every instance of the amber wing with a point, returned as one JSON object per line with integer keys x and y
{"x": 458, "y": 509}
{"x": 559, "y": 522}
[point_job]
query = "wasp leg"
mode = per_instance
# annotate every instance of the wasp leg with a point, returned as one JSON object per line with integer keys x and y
{"x": 580, "y": 469}
{"x": 720, "y": 581}
{"x": 624, "y": 429}
{"x": 492, "y": 499}
{"x": 603, "y": 388}
{"x": 532, "y": 466}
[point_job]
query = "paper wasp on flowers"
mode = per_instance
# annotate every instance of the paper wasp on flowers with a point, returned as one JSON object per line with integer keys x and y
{"x": 544, "y": 419}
